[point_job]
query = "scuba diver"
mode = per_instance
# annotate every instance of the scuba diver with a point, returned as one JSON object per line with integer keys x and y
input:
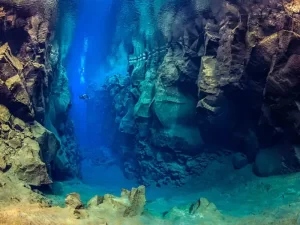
{"x": 84, "y": 97}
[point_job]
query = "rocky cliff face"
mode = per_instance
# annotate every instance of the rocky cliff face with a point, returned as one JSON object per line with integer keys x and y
{"x": 248, "y": 87}
{"x": 33, "y": 94}
{"x": 225, "y": 76}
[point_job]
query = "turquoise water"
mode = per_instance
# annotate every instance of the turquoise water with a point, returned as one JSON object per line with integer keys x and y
{"x": 105, "y": 37}
{"x": 191, "y": 106}
{"x": 240, "y": 194}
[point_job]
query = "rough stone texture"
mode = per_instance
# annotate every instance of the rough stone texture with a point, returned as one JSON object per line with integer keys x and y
{"x": 73, "y": 201}
{"x": 95, "y": 201}
{"x": 29, "y": 136}
{"x": 200, "y": 210}
{"x": 27, "y": 150}
{"x": 253, "y": 82}
{"x": 141, "y": 123}
{"x": 13, "y": 191}
{"x": 137, "y": 199}
{"x": 66, "y": 163}
{"x": 225, "y": 78}
{"x": 130, "y": 204}
{"x": 27, "y": 207}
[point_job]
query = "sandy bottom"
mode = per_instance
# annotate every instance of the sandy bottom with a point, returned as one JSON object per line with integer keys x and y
{"x": 241, "y": 198}
{"x": 35, "y": 215}
{"x": 237, "y": 193}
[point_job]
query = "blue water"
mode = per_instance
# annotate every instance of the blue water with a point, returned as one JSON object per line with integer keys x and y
{"x": 87, "y": 67}
{"x": 87, "y": 55}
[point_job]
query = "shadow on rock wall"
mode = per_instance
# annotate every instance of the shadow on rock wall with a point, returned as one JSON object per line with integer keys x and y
{"x": 223, "y": 76}
{"x": 34, "y": 94}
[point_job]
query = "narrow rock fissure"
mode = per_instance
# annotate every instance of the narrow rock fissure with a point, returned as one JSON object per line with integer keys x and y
{"x": 149, "y": 112}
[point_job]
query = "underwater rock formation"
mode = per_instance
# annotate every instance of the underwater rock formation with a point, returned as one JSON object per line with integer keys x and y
{"x": 27, "y": 150}
{"x": 73, "y": 201}
{"x": 130, "y": 204}
{"x": 240, "y": 81}
{"x": 200, "y": 211}
{"x": 224, "y": 77}
{"x": 112, "y": 211}
{"x": 29, "y": 137}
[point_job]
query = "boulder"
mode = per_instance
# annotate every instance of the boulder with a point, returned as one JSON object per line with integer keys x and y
{"x": 95, "y": 201}
{"x": 73, "y": 201}
{"x": 27, "y": 148}
{"x": 15, "y": 143}
{"x": 268, "y": 162}
{"x": 201, "y": 210}
{"x": 18, "y": 124}
{"x": 28, "y": 166}
{"x": 239, "y": 160}
{"x": 277, "y": 160}
{"x": 137, "y": 201}
{"x": 5, "y": 127}
{"x": 4, "y": 114}
{"x": 130, "y": 204}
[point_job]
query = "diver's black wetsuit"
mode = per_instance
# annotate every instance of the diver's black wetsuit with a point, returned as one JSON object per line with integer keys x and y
{"x": 84, "y": 97}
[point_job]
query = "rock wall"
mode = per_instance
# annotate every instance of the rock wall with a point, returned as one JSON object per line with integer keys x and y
{"x": 226, "y": 78}
{"x": 247, "y": 87}
{"x": 34, "y": 95}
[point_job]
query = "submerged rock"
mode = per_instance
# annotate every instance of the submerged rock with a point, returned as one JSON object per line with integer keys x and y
{"x": 28, "y": 149}
{"x": 276, "y": 160}
{"x": 48, "y": 143}
{"x": 200, "y": 211}
{"x": 22, "y": 149}
{"x": 239, "y": 160}
{"x": 28, "y": 166}
{"x": 130, "y": 204}
{"x": 73, "y": 201}
{"x": 4, "y": 114}
{"x": 95, "y": 201}
{"x": 137, "y": 199}
{"x": 227, "y": 79}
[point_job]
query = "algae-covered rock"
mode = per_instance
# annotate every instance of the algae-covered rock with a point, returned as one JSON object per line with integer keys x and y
{"x": 4, "y": 114}
{"x": 15, "y": 143}
{"x": 5, "y": 127}
{"x": 3, "y": 164}
{"x": 239, "y": 160}
{"x": 18, "y": 124}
